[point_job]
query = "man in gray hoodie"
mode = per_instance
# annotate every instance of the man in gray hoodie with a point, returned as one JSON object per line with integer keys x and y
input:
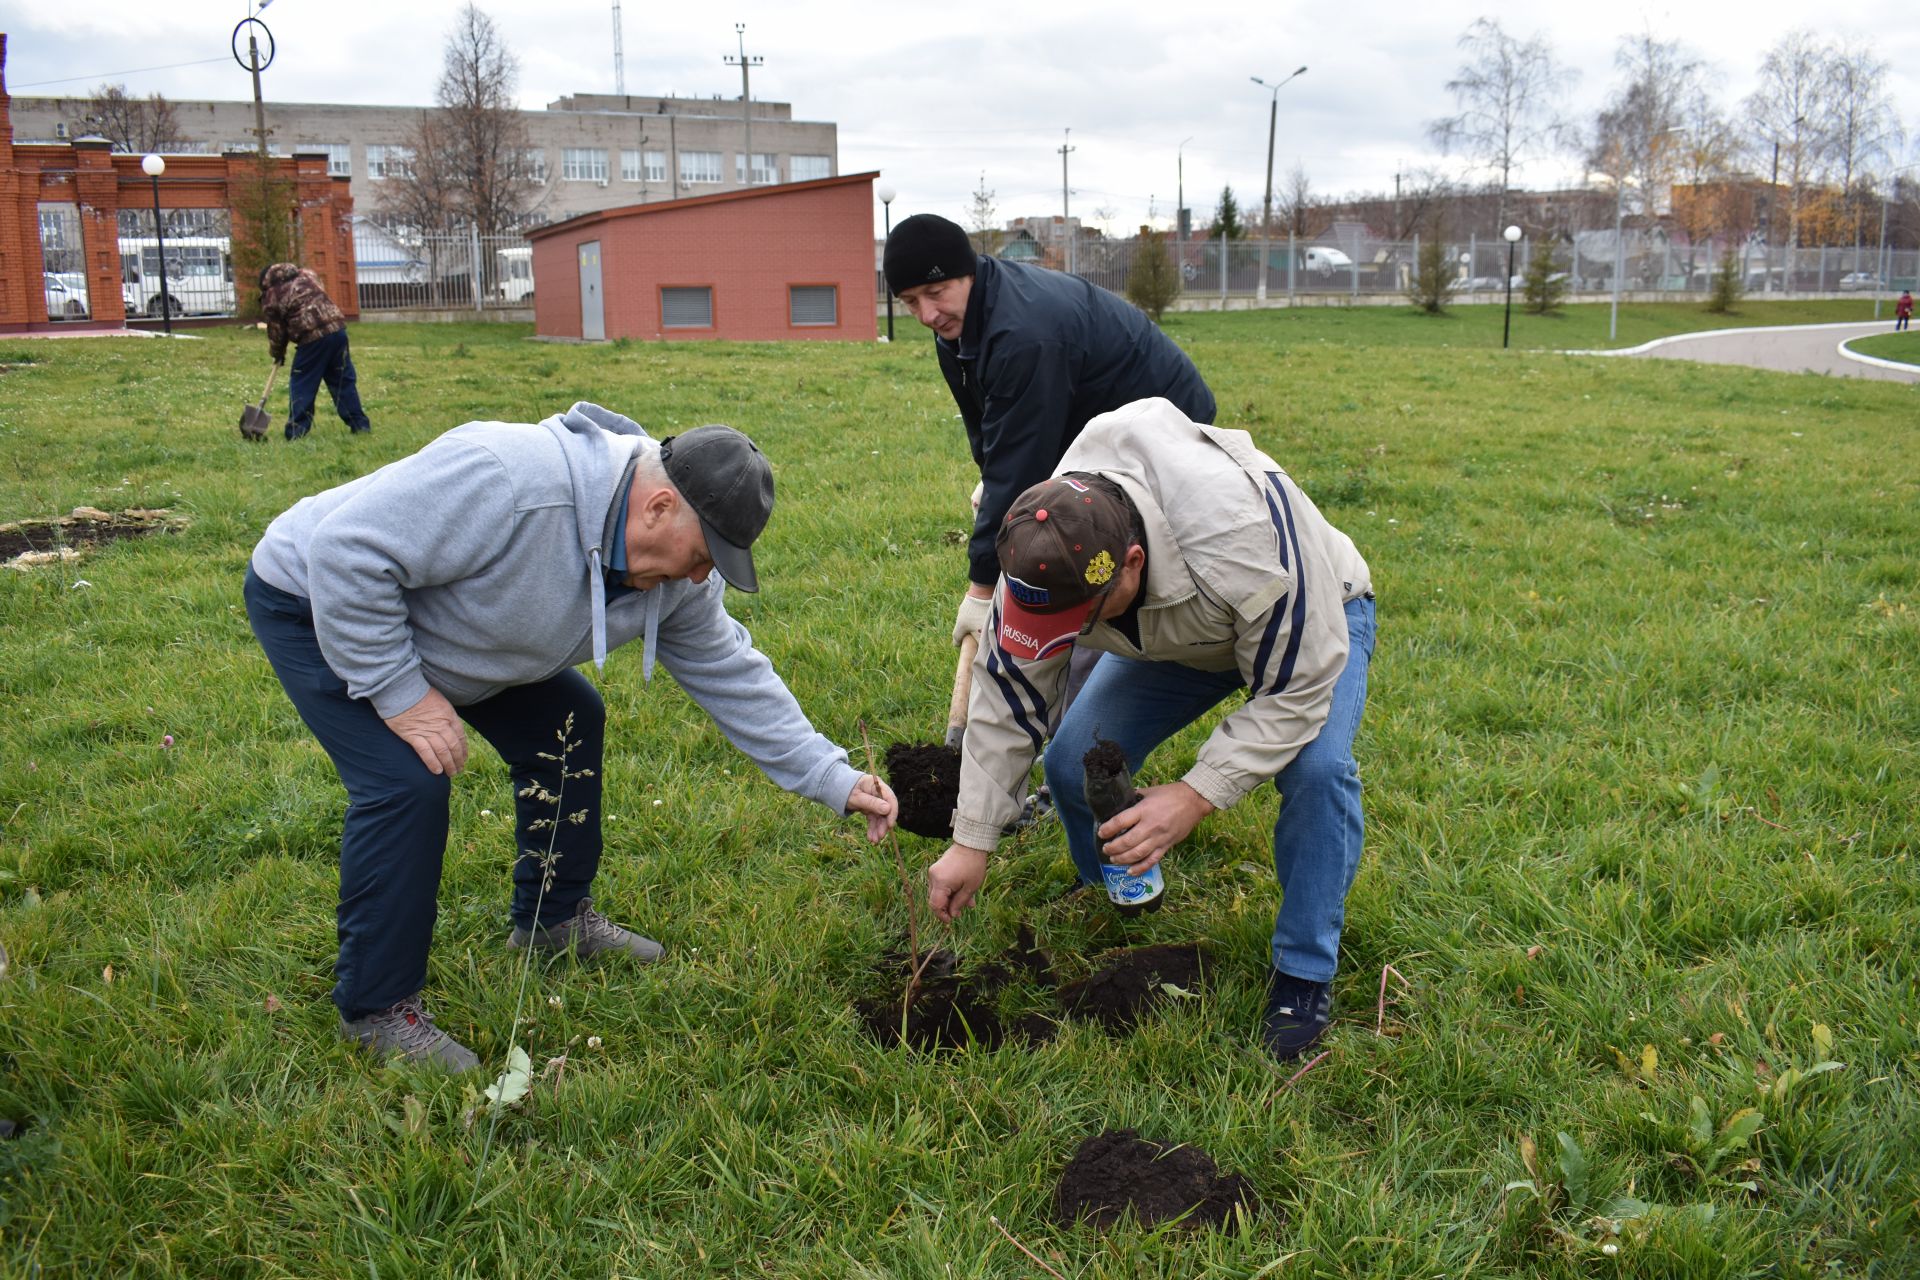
{"x": 464, "y": 584}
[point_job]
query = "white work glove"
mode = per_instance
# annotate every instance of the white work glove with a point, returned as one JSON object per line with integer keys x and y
{"x": 972, "y": 618}
{"x": 979, "y": 492}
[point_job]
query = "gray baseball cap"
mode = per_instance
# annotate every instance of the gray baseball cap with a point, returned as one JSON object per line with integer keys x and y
{"x": 726, "y": 480}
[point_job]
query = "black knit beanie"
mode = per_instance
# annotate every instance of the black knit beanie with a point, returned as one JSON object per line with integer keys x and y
{"x": 926, "y": 249}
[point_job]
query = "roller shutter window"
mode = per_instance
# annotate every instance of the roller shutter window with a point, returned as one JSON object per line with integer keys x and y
{"x": 813, "y": 304}
{"x": 686, "y": 308}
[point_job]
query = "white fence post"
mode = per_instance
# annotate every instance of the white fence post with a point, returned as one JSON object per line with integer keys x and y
{"x": 473, "y": 262}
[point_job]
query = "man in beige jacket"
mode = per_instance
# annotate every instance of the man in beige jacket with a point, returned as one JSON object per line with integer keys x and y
{"x": 1199, "y": 569}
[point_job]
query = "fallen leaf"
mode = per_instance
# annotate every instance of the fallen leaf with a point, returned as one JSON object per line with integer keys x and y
{"x": 106, "y": 975}
{"x": 271, "y": 1004}
{"x": 513, "y": 1082}
{"x": 1533, "y": 952}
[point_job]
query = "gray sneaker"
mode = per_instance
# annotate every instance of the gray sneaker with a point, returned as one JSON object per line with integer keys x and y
{"x": 588, "y": 933}
{"x": 407, "y": 1029}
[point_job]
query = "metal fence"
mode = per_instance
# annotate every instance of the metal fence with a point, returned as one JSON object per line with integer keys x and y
{"x": 461, "y": 270}
{"x": 1362, "y": 267}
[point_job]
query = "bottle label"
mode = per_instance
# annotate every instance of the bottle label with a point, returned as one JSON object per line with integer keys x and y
{"x": 1131, "y": 891}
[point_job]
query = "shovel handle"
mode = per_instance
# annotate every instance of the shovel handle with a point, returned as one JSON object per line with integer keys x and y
{"x": 962, "y": 685}
{"x": 268, "y": 389}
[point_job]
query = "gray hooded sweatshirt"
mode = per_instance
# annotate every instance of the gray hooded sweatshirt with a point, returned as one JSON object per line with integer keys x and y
{"x": 476, "y": 565}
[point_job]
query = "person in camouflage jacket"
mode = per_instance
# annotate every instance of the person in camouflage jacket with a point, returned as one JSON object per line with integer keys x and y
{"x": 298, "y": 310}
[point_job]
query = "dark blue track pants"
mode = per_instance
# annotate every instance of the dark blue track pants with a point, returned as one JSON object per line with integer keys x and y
{"x": 395, "y": 832}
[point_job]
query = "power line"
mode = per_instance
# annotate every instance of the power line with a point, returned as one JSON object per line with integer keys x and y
{"x": 131, "y": 71}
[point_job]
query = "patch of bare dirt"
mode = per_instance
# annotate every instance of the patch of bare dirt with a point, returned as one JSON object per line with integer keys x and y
{"x": 25, "y": 543}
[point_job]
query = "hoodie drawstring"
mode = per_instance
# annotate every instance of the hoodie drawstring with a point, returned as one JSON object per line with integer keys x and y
{"x": 598, "y": 590}
{"x": 653, "y": 629}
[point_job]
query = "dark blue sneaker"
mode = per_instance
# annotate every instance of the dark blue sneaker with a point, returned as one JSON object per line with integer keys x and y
{"x": 1298, "y": 1014}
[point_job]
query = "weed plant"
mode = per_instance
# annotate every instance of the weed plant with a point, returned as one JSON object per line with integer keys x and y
{"x": 1639, "y": 755}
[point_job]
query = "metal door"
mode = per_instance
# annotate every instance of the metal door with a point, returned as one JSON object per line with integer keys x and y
{"x": 593, "y": 312}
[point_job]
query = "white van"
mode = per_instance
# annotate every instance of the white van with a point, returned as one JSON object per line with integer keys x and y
{"x": 1324, "y": 260}
{"x": 515, "y": 274}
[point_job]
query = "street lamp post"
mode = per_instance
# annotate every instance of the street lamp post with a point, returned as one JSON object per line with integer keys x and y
{"x": 1512, "y": 235}
{"x": 886, "y": 194}
{"x": 1266, "y": 205}
{"x": 1180, "y": 198}
{"x": 153, "y": 165}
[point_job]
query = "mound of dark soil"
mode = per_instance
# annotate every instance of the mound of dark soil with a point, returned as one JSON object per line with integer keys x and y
{"x": 926, "y": 778}
{"x": 1119, "y": 992}
{"x": 1119, "y": 1170}
{"x": 952, "y": 1009}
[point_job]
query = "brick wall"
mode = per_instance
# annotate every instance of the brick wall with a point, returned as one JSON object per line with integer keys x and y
{"x": 747, "y": 248}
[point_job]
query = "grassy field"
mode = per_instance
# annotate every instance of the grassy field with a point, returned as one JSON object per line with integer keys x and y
{"x": 1640, "y": 761}
{"x": 1582, "y": 327}
{"x": 1904, "y": 346}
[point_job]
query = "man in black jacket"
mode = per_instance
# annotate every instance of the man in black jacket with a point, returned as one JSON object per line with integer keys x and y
{"x": 1031, "y": 355}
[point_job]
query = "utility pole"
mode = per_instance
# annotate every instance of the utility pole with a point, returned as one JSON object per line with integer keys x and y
{"x": 619, "y": 58}
{"x": 1066, "y": 209}
{"x": 256, "y": 65}
{"x": 746, "y": 93}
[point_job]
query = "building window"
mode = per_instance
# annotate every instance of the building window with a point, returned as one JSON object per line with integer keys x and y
{"x": 656, "y": 166}
{"x": 630, "y": 166}
{"x": 699, "y": 166}
{"x": 813, "y": 304}
{"x": 385, "y": 160}
{"x": 807, "y": 168}
{"x": 339, "y": 157}
{"x": 766, "y": 169}
{"x": 686, "y": 308}
{"x": 584, "y": 164}
{"x": 533, "y": 162}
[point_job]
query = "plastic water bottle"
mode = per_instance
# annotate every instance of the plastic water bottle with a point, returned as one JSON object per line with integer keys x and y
{"x": 1109, "y": 789}
{"x": 1133, "y": 894}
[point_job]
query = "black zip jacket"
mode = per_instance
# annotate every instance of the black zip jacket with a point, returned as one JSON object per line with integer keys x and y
{"x": 1042, "y": 353}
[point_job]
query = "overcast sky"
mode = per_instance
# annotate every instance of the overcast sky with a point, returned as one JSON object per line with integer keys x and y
{"x": 933, "y": 95}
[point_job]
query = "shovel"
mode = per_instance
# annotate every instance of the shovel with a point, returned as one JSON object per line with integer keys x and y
{"x": 962, "y": 687}
{"x": 254, "y": 420}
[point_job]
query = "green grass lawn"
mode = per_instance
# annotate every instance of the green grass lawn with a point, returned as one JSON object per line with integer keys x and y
{"x": 1903, "y": 346}
{"x": 1581, "y": 327}
{"x": 1640, "y": 761}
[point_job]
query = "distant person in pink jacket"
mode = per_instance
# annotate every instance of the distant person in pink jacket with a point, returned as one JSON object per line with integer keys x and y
{"x": 1903, "y": 310}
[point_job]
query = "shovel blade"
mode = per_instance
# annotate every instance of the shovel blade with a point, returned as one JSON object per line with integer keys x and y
{"x": 254, "y": 422}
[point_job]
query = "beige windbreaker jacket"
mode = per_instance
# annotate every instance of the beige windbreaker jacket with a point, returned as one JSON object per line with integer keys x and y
{"x": 1243, "y": 572}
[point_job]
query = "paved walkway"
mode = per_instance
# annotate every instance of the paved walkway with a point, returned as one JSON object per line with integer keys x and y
{"x": 1799, "y": 348}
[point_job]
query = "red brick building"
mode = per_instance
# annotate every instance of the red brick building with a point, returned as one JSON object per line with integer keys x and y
{"x": 89, "y": 177}
{"x": 767, "y": 264}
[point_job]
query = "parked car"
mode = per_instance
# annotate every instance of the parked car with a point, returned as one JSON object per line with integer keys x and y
{"x": 66, "y": 295}
{"x": 1855, "y": 281}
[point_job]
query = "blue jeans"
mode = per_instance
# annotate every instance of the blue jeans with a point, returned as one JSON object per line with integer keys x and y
{"x": 323, "y": 360}
{"x": 1317, "y": 837}
{"x": 395, "y": 832}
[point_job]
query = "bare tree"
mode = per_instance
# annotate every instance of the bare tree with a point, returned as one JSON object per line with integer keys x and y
{"x": 135, "y": 125}
{"x": 981, "y": 214}
{"x": 1787, "y": 115}
{"x": 470, "y": 153}
{"x": 1507, "y": 91}
{"x": 1638, "y": 138}
{"x": 1706, "y": 200}
{"x": 1299, "y": 209}
{"x": 1863, "y": 127}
